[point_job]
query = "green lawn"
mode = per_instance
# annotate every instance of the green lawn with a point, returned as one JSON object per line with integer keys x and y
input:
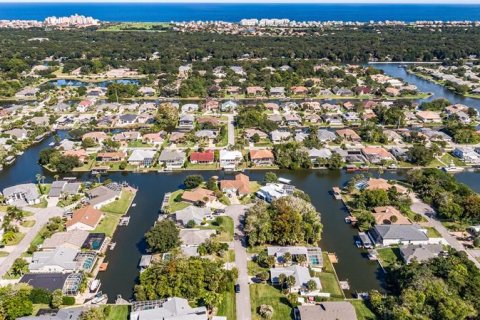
{"x": 119, "y": 312}
{"x": 254, "y": 268}
{"x": 330, "y": 284}
{"x": 28, "y": 223}
{"x": 447, "y": 158}
{"x": 121, "y": 205}
{"x": 225, "y": 226}
{"x": 433, "y": 233}
{"x": 389, "y": 257}
{"x": 138, "y": 144}
{"x": 18, "y": 237}
{"x": 175, "y": 206}
{"x": 200, "y": 166}
{"x": 108, "y": 224}
{"x": 43, "y": 203}
{"x": 227, "y": 307}
{"x": 363, "y": 313}
{"x": 266, "y": 294}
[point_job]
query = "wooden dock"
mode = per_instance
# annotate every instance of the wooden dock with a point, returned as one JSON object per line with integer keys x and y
{"x": 166, "y": 199}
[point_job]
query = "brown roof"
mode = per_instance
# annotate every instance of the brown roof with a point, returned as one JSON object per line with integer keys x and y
{"x": 383, "y": 214}
{"x": 375, "y": 184}
{"x": 198, "y": 194}
{"x": 261, "y": 154}
{"x": 241, "y": 184}
{"x": 87, "y": 215}
{"x": 348, "y": 134}
{"x": 115, "y": 155}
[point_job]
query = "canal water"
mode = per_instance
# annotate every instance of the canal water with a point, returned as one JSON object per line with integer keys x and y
{"x": 338, "y": 237}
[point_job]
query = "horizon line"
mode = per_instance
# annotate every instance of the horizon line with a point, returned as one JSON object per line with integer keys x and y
{"x": 412, "y": 2}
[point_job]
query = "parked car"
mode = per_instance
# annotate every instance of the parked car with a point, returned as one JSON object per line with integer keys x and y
{"x": 237, "y": 288}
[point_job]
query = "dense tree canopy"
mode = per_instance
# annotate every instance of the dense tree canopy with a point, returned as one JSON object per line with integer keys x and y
{"x": 163, "y": 236}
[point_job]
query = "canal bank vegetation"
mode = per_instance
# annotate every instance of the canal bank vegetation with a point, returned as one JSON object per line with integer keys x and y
{"x": 438, "y": 289}
{"x": 452, "y": 200}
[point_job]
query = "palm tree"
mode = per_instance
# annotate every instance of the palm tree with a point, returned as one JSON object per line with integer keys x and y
{"x": 38, "y": 177}
{"x": 56, "y": 177}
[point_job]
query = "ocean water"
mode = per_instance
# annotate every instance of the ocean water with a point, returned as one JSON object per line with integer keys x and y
{"x": 162, "y": 12}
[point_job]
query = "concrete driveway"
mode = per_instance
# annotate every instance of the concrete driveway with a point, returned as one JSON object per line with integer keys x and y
{"x": 41, "y": 216}
{"x": 236, "y": 212}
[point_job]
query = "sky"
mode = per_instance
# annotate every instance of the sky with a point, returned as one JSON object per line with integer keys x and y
{"x": 263, "y": 1}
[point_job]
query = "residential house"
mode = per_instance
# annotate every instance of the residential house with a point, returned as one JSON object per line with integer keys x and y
{"x": 382, "y": 184}
{"x": 80, "y": 154}
{"x": 230, "y": 159}
{"x": 172, "y": 159}
{"x": 293, "y": 120}
{"x": 17, "y": 134}
{"x": 168, "y": 309}
{"x": 211, "y": 105}
{"x": 85, "y": 105}
{"x": 429, "y": 117}
{"x": 228, "y": 106}
{"x": 111, "y": 156}
{"x": 301, "y": 274}
{"x": 393, "y": 234}
{"x": 192, "y": 238}
{"x": 313, "y": 255}
{"x": 70, "y": 239}
{"x": 209, "y": 135}
{"x": 330, "y": 310}
{"x": 420, "y": 253}
{"x": 27, "y": 93}
{"x": 239, "y": 186}
{"x": 277, "y": 92}
{"x": 315, "y": 154}
{"x": 97, "y": 136}
{"x": 333, "y": 119}
{"x": 351, "y": 117}
{"x": 190, "y": 107}
{"x": 255, "y": 91}
{"x": 103, "y": 195}
{"x": 325, "y": 135}
{"x": 127, "y": 136}
{"x": 192, "y": 213}
{"x": 86, "y": 218}
{"x": 21, "y": 194}
{"x": 202, "y": 157}
{"x": 467, "y": 154}
{"x": 249, "y": 133}
{"x": 142, "y": 158}
{"x": 262, "y": 157}
{"x": 275, "y": 118}
{"x": 349, "y": 135}
{"x": 155, "y": 139}
{"x": 377, "y": 154}
{"x": 127, "y": 119}
{"x": 186, "y": 122}
{"x": 399, "y": 153}
{"x": 274, "y": 191}
{"x": 60, "y": 260}
{"x": 278, "y": 136}
{"x": 176, "y": 137}
{"x": 147, "y": 91}
{"x": 199, "y": 195}
{"x": 299, "y": 90}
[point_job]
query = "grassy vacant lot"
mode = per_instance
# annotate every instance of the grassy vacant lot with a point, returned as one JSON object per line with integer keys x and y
{"x": 113, "y": 212}
{"x": 225, "y": 226}
{"x": 16, "y": 240}
{"x": 118, "y": 313}
{"x": 121, "y": 205}
{"x": 266, "y": 294}
{"x": 389, "y": 257}
{"x": 447, "y": 158}
{"x": 328, "y": 279}
{"x": 363, "y": 313}
{"x": 227, "y": 307}
{"x": 254, "y": 268}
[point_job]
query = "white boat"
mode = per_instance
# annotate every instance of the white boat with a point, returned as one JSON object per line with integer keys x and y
{"x": 51, "y": 144}
{"x": 99, "y": 298}
{"x": 452, "y": 168}
{"x": 94, "y": 285}
{"x": 134, "y": 205}
{"x": 112, "y": 245}
{"x": 283, "y": 180}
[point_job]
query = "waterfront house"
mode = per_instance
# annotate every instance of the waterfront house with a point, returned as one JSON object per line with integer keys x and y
{"x": 262, "y": 157}
{"x": 239, "y": 186}
{"x": 147, "y": 91}
{"x": 192, "y": 213}
{"x": 420, "y": 253}
{"x": 330, "y": 310}
{"x": 299, "y": 90}
{"x": 97, "y": 136}
{"x": 155, "y": 139}
{"x": 80, "y": 154}
{"x": 142, "y": 158}
{"x": 467, "y": 154}
{"x": 40, "y": 121}
{"x": 250, "y": 132}
{"x": 278, "y": 136}
{"x": 375, "y": 184}
{"x": 228, "y": 106}
{"x": 376, "y": 155}
{"x": 204, "y": 157}
{"x": 313, "y": 255}
{"x": 277, "y": 92}
{"x": 86, "y": 218}
{"x": 399, "y": 153}
{"x": 126, "y": 136}
{"x": 85, "y": 105}
{"x": 68, "y": 283}
{"x": 192, "y": 238}
{"x": 21, "y": 194}
{"x": 170, "y": 308}
{"x": 27, "y": 93}
{"x": 301, "y": 274}
{"x": 60, "y": 260}
{"x": 315, "y": 154}
{"x": 230, "y": 159}
{"x": 186, "y": 122}
{"x": 190, "y": 108}
{"x": 429, "y": 117}
{"x": 172, "y": 159}
{"x": 274, "y": 191}
{"x": 111, "y": 156}
{"x": 384, "y": 215}
{"x": 17, "y": 134}
{"x": 393, "y": 234}
{"x": 103, "y": 195}
{"x": 127, "y": 119}
{"x": 199, "y": 195}
{"x": 62, "y": 188}
{"x": 255, "y": 91}
{"x": 275, "y": 118}
{"x": 70, "y": 239}
{"x": 293, "y": 120}
{"x": 211, "y": 105}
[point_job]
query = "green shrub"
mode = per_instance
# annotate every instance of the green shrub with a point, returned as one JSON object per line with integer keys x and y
{"x": 40, "y": 296}
{"x": 68, "y": 301}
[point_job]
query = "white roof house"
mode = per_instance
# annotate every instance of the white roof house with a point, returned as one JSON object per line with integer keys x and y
{"x": 301, "y": 274}
{"x": 142, "y": 157}
{"x": 61, "y": 260}
{"x": 230, "y": 159}
{"x": 22, "y": 194}
{"x": 171, "y": 309}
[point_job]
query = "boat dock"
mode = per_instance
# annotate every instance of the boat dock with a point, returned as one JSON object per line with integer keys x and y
{"x": 166, "y": 199}
{"x": 124, "y": 221}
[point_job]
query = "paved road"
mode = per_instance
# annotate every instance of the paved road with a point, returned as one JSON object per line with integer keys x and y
{"x": 41, "y": 216}
{"x": 418, "y": 206}
{"x": 236, "y": 212}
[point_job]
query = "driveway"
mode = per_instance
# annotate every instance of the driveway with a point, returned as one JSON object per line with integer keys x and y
{"x": 231, "y": 130}
{"x": 41, "y": 216}
{"x": 418, "y": 206}
{"x": 236, "y": 212}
